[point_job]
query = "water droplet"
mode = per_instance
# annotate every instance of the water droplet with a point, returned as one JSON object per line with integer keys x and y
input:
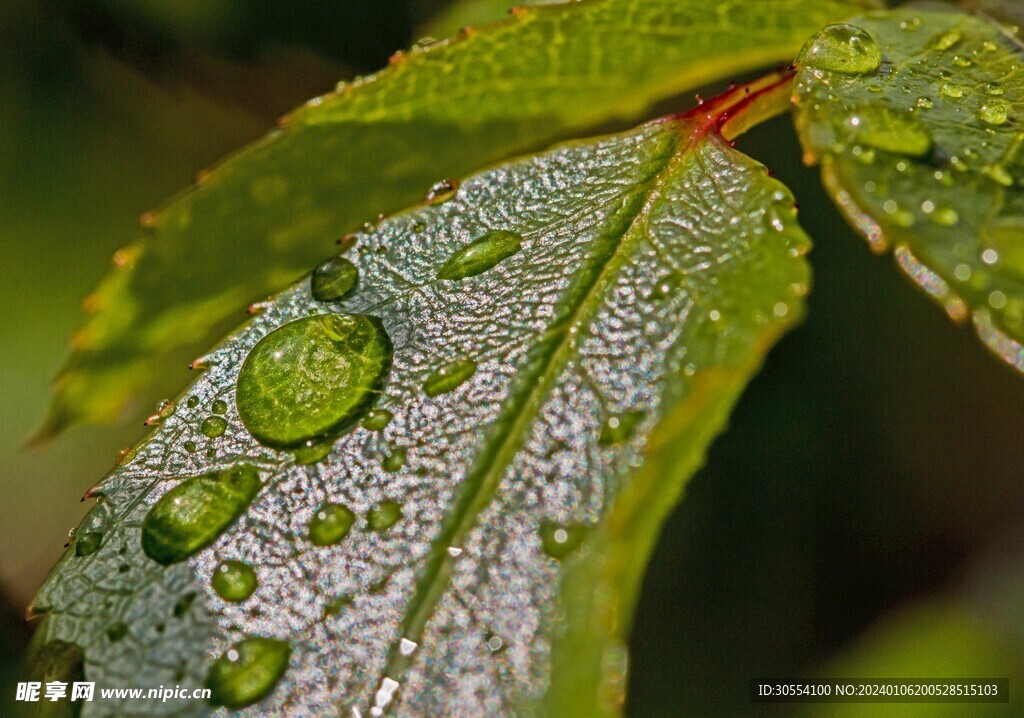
{"x": 841, "y": 48}
{"x": 384, "y": 515}
{"x": 559, "y": 540}
{"x": 124, "y": 456}
{"x": 449, "y": 377}
{"x": 88, "y": 543}
{"x": 183, "y": 604}
{"x": 618, "y": 428}
{"x": 194, "y": 513}
{"x": 330, "y": 524}
{"x": 925, "y": 103}
{"x": 234, "y": 581}
{"x": 247, "y": 672}
{"x": 481, "y": 254}
{"x": 441, "y": 192}
{"x": 962, "y": 61}
{"x": 219, "y": 406}
{"x": 116, "y": 631}
{"x": 665, "y": 287}
{"x": 994, "y": 89}
{"x": 999, "y": 174}
{"x": 951, "y": 89}
{"x": 377, "y": 419}
{"x": 312, "y": 453}
{"x": 394, "y": 461}
{"x": 190, "y": 446}
{"x": 994, "y": 112}
{"x": 890, "y": 130}
{"x": 334, "y": 280}
{"x": 311, "y": 379}
{"x": 944, "y": 216}
{"x": 1003, "y": 239}
{"x": 192, "y": 402}
{"x": 946, "y": 40}
{"x": 214, "y": 426}
{"x": 495, "y": 644}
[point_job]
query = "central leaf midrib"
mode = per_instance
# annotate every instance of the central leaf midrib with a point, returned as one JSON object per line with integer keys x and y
{"x": 502, "y": 445}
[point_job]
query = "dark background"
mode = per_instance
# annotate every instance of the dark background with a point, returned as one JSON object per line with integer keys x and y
{"x": 862, "y": 516}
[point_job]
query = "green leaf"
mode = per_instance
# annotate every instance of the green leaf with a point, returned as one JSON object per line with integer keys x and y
{"x": 259, "y": 220}
{"x": 476, "y": 546}
{"x": 922, "y": 152}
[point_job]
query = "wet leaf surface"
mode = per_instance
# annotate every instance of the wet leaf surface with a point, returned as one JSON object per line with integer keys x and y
{"x": 480, "y": 551}
{"x": 924, "y": 154}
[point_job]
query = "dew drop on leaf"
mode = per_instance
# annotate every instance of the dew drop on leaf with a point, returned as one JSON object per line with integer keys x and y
{"x": 312, "y": 453}
{"x": 330, "y": 524}
{"x": 234, "y": 580}
{"x": 481, "y": 254}
{"x": 334, "y": 280}
{"x": 183, "y": 604}
{"x": 618, "y": 428}
{"x": 311, "y": 379}
{"x": 190, "y": 446}
{"x": 449, "y": 377}
{"x": 377, "y": 419}
{"x": 994, "y": 112}
{"x": 194, "y": 513}
{"x": 560, "y": 540}
{"x": 247, "y": 672}
{"x": 841, "y": 48}
{"x": 219, "y": 406}
{"x": 393, "y": 461}
{"x": 946, "y": 40}
{"x": 88, "y": 543}
{"x": 213, "y": 426}
{"x": 951, "y": 89}
{"x": 441, "y": 192}
{"x": 384, "y": 515}
{"x": 994, "y": 89}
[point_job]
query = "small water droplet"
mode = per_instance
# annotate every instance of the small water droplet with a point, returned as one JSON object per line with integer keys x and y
{"x": 190, "y": 446}
{"x": 247, "y": 672}
{"x": 394, "y": 461}
{"x": 124, "y": 456}
{"x": 841, "y": 48}
{"x": 377, "y": 419}
{"x": 192, "y": 402}
{"x": 994, "y": 89}
{"x": 441, "y": 192}
{"x": 312, "y": 453}
{"x": 944, "y": 216}
{"x": 312, "y": 379}
{"x": 183, "y": 604}
{"x": 618, "y": 428}
{"x": 925, "y": 103}
{"x": 449, "y": 377}
{"x": 333, "y": 280}
{"x": 88, "y": 543}
{"x": 330, "y": 524}
{"x": 946, "y": 40}
{"x": 951, "y": 89}
{"x": 384, "y": 515}
{"x": 194, "y": 513}
{"x": 560, "y": 540}
{"x": 214, "y": 426}
{"x": 219, "y": 406}
{"x": 962, "y": 61}
{"x": 665, "y": 287}
{"x": 481, "y": 254}
{"x": 994, "y": 112}
{"x": 117, "y": 631}
{"x": 234, "y": 581}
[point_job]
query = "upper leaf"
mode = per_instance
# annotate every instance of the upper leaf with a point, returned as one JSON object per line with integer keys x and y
{"x": 259, "y": 220}
{"x": 549, "y": 352}
{"x": 917, "y": 118}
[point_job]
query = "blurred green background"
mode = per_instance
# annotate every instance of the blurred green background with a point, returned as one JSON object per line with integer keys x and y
{"x": 862, "y": 516}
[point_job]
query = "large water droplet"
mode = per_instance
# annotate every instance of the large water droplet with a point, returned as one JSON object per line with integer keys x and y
{"x": 88, "y": 542}
{"x": 312, "y": 379}
{"x": 481, "y": 254}
{"x": 333, "y": 280}
{"x": 841, "y": 48}
{"x": 330, "y": 524}
{"x": 618, "y": 428}
{"x": 449, "y": 377}
{"x": 994, "y": 112}
{"x": 213, "y": 426}
{"x": 890, "y": 130}
{"x": 234, "y": 581}
{"x": 247, "y": 672}
{"x": 384, "y": 515}
{"x": 194, "y": 513}
{"x": 560, "y": 540}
